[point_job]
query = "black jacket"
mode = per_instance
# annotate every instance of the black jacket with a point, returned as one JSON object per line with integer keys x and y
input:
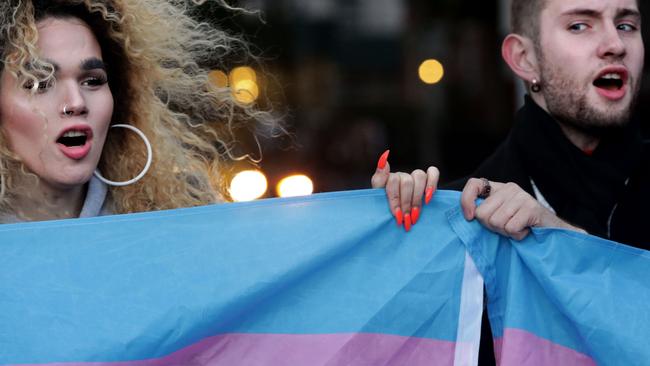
{"x": 605, "y": 193}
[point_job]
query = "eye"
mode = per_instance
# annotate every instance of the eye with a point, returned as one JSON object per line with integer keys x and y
{"x": 94, "y": 81}
{"x": 41, "y": 87}
{"x": 578, "y": 27}
{"x": 626, "y": 27}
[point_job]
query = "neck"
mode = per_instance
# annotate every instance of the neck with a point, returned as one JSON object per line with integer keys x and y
{"x": 37, "y": 200}
{"x": 580, "y": 139}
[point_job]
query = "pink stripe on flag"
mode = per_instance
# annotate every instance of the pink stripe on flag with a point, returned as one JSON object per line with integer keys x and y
{"x": 301, "y": 349}
{"x": 519, "y": 347}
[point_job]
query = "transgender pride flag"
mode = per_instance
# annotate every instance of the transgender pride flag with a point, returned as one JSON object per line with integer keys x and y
{"x": 563, "y": 298}
{"x": 322, "y": 280}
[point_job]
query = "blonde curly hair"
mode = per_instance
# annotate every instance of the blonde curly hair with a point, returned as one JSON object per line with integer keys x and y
{"x": 156, "y": 55}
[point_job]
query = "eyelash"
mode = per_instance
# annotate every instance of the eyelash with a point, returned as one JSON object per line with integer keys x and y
{"x": 93, "y": 81}
{"x": 575, "y": 27}
{"x": 41, "y": 87}
{"x": 631, "y": 27}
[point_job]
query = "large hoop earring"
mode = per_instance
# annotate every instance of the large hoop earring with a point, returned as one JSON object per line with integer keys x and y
{"x": 536, "y": 87}
{"x": 146, "y": 166}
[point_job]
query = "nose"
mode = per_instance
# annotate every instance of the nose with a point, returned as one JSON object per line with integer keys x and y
{"x": 612, "y": 45}
{"x": 74, "y": 103}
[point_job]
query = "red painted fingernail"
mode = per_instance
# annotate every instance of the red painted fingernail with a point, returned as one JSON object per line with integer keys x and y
{"x": 383, "y": 159}
{"x": 428, "y": 195}
{"x": 407, "y": 222}
{"x": 415, "y": 215}
{"x": 398, "y": 217}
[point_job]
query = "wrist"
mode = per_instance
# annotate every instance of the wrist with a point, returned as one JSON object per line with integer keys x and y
{"x": 552, "y": 220}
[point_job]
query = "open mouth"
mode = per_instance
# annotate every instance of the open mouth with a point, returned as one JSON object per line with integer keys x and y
{"x": 73, "y": 138}
{"x": 610, "y": 81}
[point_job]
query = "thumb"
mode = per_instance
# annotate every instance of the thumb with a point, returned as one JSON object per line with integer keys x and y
{"x": 380, "y": 178}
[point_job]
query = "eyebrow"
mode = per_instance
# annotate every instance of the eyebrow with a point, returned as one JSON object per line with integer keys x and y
{"x": 88, "y": 64}
{"x": 620, "y": 13}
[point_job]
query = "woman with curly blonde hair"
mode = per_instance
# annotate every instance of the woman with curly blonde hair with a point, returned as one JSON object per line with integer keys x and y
{"x": 85, "y": 82}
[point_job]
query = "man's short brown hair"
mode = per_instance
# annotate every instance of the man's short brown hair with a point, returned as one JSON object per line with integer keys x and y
{"x": 525, "y": 17}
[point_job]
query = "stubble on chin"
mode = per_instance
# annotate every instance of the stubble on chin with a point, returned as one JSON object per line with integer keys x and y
{"x": 568, "y": 102}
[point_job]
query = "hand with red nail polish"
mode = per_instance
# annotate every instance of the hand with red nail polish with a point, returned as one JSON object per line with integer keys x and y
{"x": 405, "y": 192}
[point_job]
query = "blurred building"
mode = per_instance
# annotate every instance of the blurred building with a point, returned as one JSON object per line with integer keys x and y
{"x": 346, "y": 73}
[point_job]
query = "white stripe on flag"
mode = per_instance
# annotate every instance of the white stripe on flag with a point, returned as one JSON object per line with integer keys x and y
{"x": 468, "y": 335}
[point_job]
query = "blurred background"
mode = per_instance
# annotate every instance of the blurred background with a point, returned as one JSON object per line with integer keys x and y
{"x": 353, "y": 78}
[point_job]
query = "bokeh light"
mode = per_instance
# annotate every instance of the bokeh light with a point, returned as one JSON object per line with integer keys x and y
{"x": 218, "y": 78}
{"x": 246, "y": 91}
{"x": 295, "y": 185}
{"x": 242, "y": 73}
{"x": 248, "y": 185}
{"x": 431, "y": 71}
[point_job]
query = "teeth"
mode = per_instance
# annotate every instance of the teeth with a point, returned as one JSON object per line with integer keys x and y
{"x": 74, "y": 134}
{"x": 611, "y": 76}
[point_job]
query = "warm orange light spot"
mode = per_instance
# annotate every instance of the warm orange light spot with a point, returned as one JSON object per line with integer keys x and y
{"x": 248, "y": 185}
{"x": 246, "y": 91}
{"x": 431, "y": 71}
{"x": 295, "y": 185}
{"x": 218, "y": 78}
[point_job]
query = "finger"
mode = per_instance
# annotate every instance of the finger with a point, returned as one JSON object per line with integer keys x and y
{"x": 499, "y": 217}
{"x": 526, "y": 216}
{"x": 511, "y": 199}
{"x": 406, "y": 185}
{"x": 419, "y": 183}
{"x": 393, "y": 194}
{"x": 406, "y": 196}
{"x": 380, "y": 178}
{"x": 518, "y": 228}
{"x": 468, "y": 197}
{"x": 433, "y": 175}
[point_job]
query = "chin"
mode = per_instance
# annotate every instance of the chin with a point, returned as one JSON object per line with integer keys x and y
{"x": 72, "y": 179}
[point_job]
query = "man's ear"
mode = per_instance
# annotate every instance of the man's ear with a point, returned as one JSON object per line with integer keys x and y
{"x": 519, "y": 54}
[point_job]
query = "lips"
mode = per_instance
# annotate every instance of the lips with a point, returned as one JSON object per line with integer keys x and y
{"x": 611, "y": 83}
{"x": 75, "y": 142}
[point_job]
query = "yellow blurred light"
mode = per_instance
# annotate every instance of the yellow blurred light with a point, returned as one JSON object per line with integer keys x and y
{"x": 248, "y": 185}
{"x": 218, "y": 78}
{"x": 295, "y": 185}
{"x": 242, "y": 73}
{"x": 246, "y": 91}
{"x": 431, "y": 71}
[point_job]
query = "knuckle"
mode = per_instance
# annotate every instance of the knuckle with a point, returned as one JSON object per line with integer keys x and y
{"x": 407, "y": 181}
{"x": 393, "y": 178}
{"x": 512, "y": 186}
{"x": 494, "y": 222}
{"x": 511, "y": 227}
{"x": 419, "y": 173}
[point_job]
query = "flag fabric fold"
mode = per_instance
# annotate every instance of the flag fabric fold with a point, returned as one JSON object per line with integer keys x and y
{"x": 322, "y": 280}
